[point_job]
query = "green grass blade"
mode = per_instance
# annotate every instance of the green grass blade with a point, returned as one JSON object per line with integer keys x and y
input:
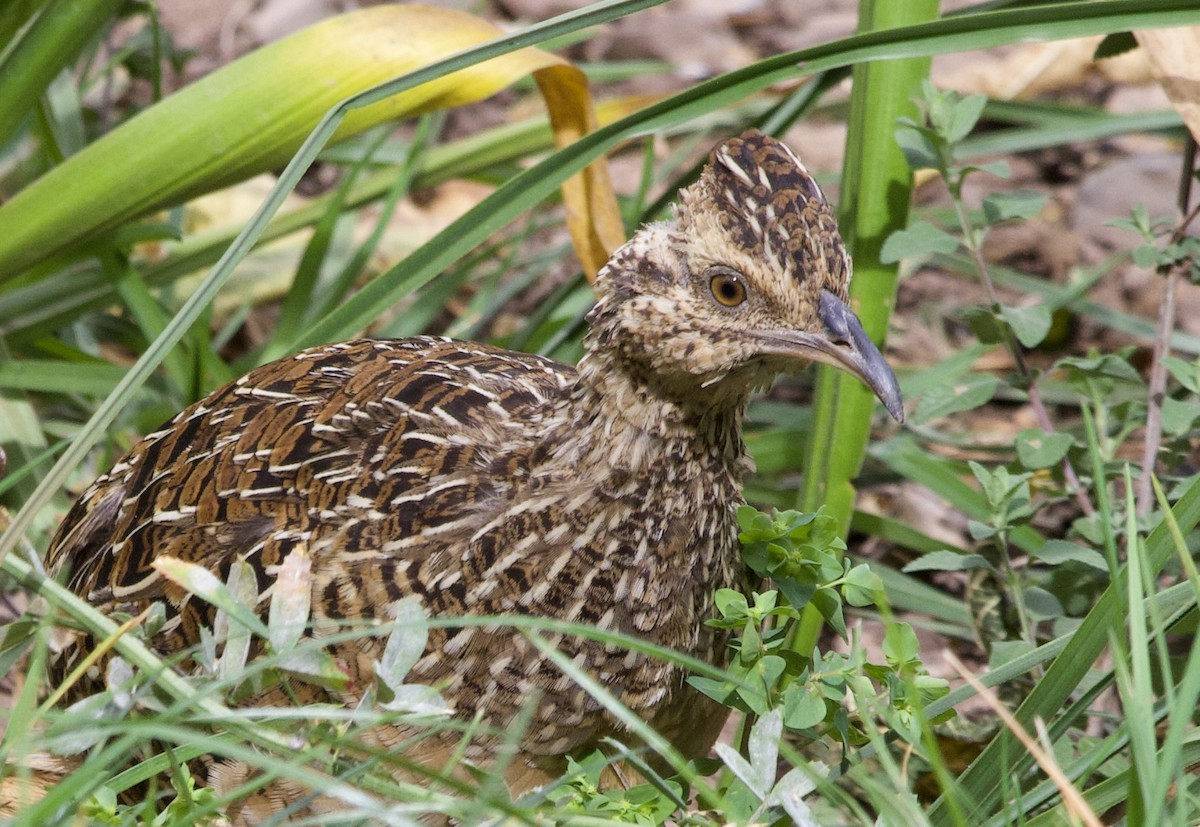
{"x": 982, "y": 783}
{"x": 48, "y": 45}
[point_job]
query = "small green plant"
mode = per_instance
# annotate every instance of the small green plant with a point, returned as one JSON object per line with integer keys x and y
{"x": 1051, "y": 518}
{"x": 807, "y": 695}
{"x": 1164, "y": 245}
{"x": 827, "y": 696}
{"x": 581, "y": 792}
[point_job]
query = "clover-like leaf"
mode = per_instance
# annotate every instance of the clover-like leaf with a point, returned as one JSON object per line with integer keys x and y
{"x": 798, "y": 594}
{"x": 862, "y": 586}
{"x": 731, "y": 604}
{"x": 1038, "y": 449}
{"x": 802, "y": 709}
{"x": 900, "y": 645}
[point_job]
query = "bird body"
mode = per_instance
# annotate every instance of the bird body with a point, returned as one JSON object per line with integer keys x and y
{"x": 487, "y": 482}
{"x": 458, "y": 473}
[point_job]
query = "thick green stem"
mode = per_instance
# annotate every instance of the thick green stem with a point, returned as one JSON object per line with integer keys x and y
{"x": 874, "y": 202}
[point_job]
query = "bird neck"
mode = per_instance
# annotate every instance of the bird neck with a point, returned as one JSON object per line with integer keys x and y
{"x": 622, "y": 418}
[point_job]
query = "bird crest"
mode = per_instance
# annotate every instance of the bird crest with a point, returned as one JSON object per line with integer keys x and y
{"x": 770, "y": 206}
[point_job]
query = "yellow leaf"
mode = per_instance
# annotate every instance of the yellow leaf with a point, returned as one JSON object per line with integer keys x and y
{"x": 592, "y": 214}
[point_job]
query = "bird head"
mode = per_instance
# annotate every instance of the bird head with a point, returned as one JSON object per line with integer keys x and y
{"x": 749, "y": 280}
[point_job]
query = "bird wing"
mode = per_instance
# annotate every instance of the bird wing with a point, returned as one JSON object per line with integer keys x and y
{"x": 370, "y": 445}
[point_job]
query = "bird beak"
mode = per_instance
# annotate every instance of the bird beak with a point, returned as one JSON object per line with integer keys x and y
{"x": 844, "y": 345}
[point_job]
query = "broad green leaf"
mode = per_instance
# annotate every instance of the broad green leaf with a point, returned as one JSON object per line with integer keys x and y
{"x": 731, "y": 603}
{"x": 947, "y": 561}
{"x": 1186, "y": 373}
{"x": 252, "y": 115}
{"x": 722, "y": 691}
{"x": 1148, "y": 256}
{"x": 961, "y": 117}
{"x": 964, "y": 394}
{"x": 315, "y": 666}
{"x": 417, "y": 699}
{"x": 985, "y": 324}
{"x": 981, "y": 531}
{"x": 1018, "y": 204}
{"x": 1179, "y": 414}
{"x": 900, "y": 645}
{"x": 1055, "y": 552}
{"x": 1000, "y": 169}
{"x": 919, "y": 147}
{"x": 862, "y": 587}
{"x": 1042, "y": 604}
{"x": 1102, "y": 366}
{"x": 998, "y": 484}
{"x": 917, "y": 241}
{"x": 1029, "y": 324}
{"x": 1038, "y": 449}
{"x": 801, "y": 708}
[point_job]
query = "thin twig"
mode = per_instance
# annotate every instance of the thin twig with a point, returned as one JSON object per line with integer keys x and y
{"x": 1014, "y": 347}
{"x": 1166, "y": 323}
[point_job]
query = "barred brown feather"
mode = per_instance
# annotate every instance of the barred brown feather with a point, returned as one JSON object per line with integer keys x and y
{"x": 488, "y": 482}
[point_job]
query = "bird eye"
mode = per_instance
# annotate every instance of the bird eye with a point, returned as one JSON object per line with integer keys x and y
{"x": 727, "y": 288}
